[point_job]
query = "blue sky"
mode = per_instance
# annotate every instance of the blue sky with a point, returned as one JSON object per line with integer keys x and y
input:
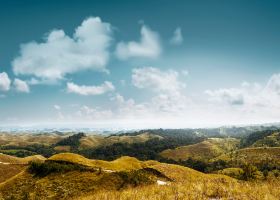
{"x": 139, "y": 63}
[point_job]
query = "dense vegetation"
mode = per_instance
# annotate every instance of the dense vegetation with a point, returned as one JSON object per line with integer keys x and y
{"x": 28, "y": 150}
{"x": 48, "y": 167}
{"x": 148, "y": 150}
{"x": 73, "y": 141}
{"x": 254, "y": 137}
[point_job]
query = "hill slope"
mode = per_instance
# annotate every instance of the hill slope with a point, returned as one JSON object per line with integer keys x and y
{"x": 205, "y": 150}
{"x": 71, "y": 176}
{"x": 10, "y": 165}
{"x": 257, "y": 156}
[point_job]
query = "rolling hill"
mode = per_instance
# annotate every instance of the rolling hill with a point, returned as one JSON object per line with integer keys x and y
{"x": 10, "y": 165}
{"x": 272, "y": 140}
{"x": 71, "y": 176}
{"x": 204, "y": 150}
{"x": 258, "y": 156}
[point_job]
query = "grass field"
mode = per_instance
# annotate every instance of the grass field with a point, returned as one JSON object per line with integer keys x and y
{"x": 205, "y": 150}
{"x": 129, "y": 178}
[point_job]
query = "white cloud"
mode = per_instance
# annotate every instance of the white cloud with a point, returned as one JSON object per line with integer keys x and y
{"x": 156, "y": 79}
{"x": 232, "y": 96}
{"x": 5, "y": 82}
{"x": 60, "y": 54}
{"x": 88, "y": 113}
{"x": 177, "y": 37}
{"x": 250, "y": 100}
{"x": 90, "y": 90}
{"x": 21, "y": 86}
{"x": 57, "y": 107}
{"x": 147, "y": 47}
{"x": 273, "y": 84}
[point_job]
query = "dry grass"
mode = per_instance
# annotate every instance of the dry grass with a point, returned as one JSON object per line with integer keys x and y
{"x": 25, "y": 139}
{"x": 197, "y": 190}
{"x": 185, "y": 183}
{"x": 98, "y": 140}
{"x": 15, "y": 160}
{"x": 253, "y": 156}
{"x": 8, "y": 171}
{"x": 10, "y": 165}
{"x": 62, "y": 148}
{"x": 124, "y": 163}
{"x": 205, "y": 150}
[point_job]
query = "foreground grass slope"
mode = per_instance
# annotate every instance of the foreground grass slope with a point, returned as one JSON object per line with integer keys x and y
{"x": 71, "y": 176}
{"x": 10, "y": 165}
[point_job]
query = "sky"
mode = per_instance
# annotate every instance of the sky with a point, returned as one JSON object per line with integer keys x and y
{"x": 170, "y": 64}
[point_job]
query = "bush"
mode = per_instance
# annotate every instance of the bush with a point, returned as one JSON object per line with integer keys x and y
{"x": 250, "y": 172}
{"x": 44, "y": 168}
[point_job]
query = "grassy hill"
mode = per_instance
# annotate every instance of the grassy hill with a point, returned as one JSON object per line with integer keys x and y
{"x": 97, "y": 140}
{"x": 268, "y": 138}
{"x": 272, "y": 140}
{"x": 25, "y": 139}
{"x": 10, "y": 165}
{"x": 72, "y": 176}
{"x": 260, "y": 156}
{"x": 205, "y": 150}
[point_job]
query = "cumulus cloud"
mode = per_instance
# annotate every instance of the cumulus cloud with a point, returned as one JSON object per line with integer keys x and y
{"x": 90, "y": 90}
{"x": 21, "y": 86}
{"x": 5, "y": 82}
{"x": 251, "y": 98}
{"x": 60, "y": 54}
{"x": 232, "y": 96}
{"x": 147, "y": 47}
{"x": 156, "y": 79}
{"x": 88, "y": 113}
{"x": 177, "y": 37}
{"x": 273, "y": 84}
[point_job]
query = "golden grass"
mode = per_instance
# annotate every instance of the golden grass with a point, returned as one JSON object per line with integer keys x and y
{"x": 197, "y": 190}
{"x": 8, "y": 171}
{"x": 232, "y": 172}
{"x": 91, "y": 141}
{"x": 10, "y": 165}
{"x": 15, "y": 160}
{"x": 124, "y": 163}
{"x": 24, "y": 139}
{"x": 185, "y": 183}
{"x": 253, "y": 156}
{"x": 62, "y": 148}
{"x": 205, "y": 150}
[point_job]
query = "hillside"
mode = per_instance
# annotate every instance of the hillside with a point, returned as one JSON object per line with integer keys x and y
{"x": 205, "y": 150}
{"x": 97, "y": 140}
{"x": 260, "y": 156}
{"x": 71, "y": 176}
{"x": 272, "y": 140}
{"x": 268, "y": 138}
{"x": 25, "y": 139}
{"x": 10, "y": 165}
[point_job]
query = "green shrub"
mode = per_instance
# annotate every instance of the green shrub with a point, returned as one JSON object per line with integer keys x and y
{"x": 251, "y": 172}
{"x": 48, "y": 167}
